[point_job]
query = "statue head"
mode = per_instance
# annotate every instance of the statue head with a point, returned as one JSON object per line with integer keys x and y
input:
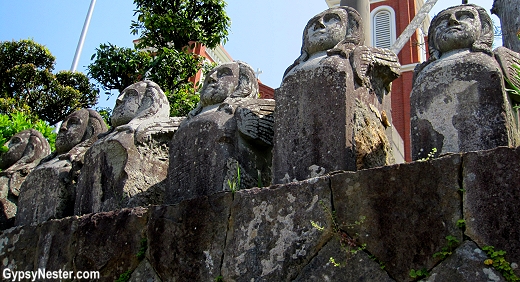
{"x": 331, "y": 28}
{"x": 228, "y": 80}
{"x": 460, "y": 27}
{"x": 79, "y": 126}
{"x": 140, "y": 101}
{"x": 25, "y": 147}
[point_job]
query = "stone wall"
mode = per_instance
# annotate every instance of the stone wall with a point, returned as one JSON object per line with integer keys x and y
{"x": 375, "y": 225}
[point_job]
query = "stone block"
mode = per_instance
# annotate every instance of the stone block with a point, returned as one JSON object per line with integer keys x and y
{"x": 491, "y": 181}
{"x": 352, "y": 267}
{"x": 186, "y": 241}
{"x": 466, "y": 264}
{"x": 271, "y": 237}
{"x": 109, "y": 242}
{"x": 409, "y": 209}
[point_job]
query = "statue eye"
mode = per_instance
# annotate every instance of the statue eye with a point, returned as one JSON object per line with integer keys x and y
{"x": 331, "y": 18}
{"x": 224, "y": 72}
{"x": 464, "y": 15}
{"x": 15, "y": 140}
{"x": 73, "y": 121}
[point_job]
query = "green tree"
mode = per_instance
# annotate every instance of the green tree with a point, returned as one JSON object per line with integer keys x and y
{"x": 167, "y": 30}
{"x": 28, "y": 85}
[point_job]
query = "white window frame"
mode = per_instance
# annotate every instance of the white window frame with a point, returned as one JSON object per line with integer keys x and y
{"x": 373, "y": 13}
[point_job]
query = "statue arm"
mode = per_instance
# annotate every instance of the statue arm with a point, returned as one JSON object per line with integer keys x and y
{"x": 255, "y": 120}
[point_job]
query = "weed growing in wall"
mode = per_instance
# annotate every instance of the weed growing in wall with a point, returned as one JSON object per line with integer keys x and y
{"x": 348, "y": 243}
{"x": 497, "y": 260}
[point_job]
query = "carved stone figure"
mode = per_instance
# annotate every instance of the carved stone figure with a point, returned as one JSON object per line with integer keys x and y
{"x": 458, "y": 101}
{"x": 127, "y": 166}
{"x": 333, "y": 107}
{"x": 26, "y": 149}
{"x": 49, "y": 190}
{"x": 226, "y": 141}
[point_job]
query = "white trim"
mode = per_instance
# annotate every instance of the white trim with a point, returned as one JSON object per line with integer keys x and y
{"x": 373, "y": 13}
{"x": 409, "y": 67}
{"x": 335, "y": 3}
{"x": 218, "y": 55}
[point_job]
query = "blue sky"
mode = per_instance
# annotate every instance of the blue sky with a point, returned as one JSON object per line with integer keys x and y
{"x": 264, "y": 33}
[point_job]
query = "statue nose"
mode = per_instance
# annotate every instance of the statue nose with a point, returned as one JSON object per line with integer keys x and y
{"x": 453, "y": 20}
{"x": 319, "y": 24}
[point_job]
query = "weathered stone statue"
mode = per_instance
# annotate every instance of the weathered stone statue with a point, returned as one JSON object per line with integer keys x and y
{"x": 226, "y": 141}
{"x": 26, "y": 149}
{"x": 126, "y": 167}
{"x": 49, "y": 190}
{"x": 333, "y": 106}
{"x": 458, "y": 100}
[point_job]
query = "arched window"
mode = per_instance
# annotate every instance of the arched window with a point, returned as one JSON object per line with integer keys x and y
{"x": 383, "y": 26}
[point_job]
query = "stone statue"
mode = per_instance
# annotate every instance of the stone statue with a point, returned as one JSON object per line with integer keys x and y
{"x": 225, "y": 144}
{"x": 49, "y": 190}
{"x": 459, "y": 101}
{"x": 333, "y": 107}
{"x": 26, "y": 149}
{"x": 127, "y": 166}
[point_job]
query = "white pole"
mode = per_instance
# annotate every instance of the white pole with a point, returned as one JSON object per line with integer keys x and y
{"x": 82, "y": 37}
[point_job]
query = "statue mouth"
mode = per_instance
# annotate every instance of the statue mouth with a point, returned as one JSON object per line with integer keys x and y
{"x": 454, "y": 28}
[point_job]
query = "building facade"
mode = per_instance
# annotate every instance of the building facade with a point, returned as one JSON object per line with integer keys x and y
{"x": 388, "y": 19}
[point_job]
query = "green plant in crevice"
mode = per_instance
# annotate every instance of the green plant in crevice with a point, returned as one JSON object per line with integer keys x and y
{"x": 219, "y": 279}
{"x": 381, "y": 264}
{"x": 461, "y": 223}
{"x": 497, "y": 260}
{"x": 143, "y": 246}
{"x": 420, "y": 273}
{"x": 348, "y": 244}
{"x": 234, "y": 185}
{"x": 125, "y": 276}
{"x": 447, "y": 250}
{"x": 430, "y": 156}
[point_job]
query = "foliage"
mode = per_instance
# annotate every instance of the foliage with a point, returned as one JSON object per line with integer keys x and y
{"x": 142, "y": 249}
{"x": 105, "y": 113}
{"x": 447, "y": 250}
{"x": 418, "y": 273}
{"x": 125, "y": 276}
{"x": 234, "y": 185}
{"x": 430, "y": 156}
{"x": 183, "y": 100}
{"x": 16, "y": 122}
{"x": 177, "y": 23}
{"x": 461, "y": 223}
{"x": 28, "y": 85}
{"x": 167, "y": 30}
{"x": 348, "y": 244}
{"x": 497, "y": 260}
{"x": 118, "y": 67}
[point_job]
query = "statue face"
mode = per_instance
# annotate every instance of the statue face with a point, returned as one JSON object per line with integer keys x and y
{"x": 127, "y": 106}
{"x": 72, "y": 131}
{"x": 219, "y": 84}
{"x": 16, "y": 145}
{"x": 457, "y": 28}
{"x": 326, "y": 30}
